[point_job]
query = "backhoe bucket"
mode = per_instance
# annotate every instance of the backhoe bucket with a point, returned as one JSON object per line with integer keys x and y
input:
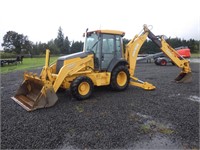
{"x": 33, "y": 94}
{"x": 184, "y": 77}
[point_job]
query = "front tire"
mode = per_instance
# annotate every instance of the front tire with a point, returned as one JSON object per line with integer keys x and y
{"x": 120, "y": 78}
{"x": 82, "y": 87}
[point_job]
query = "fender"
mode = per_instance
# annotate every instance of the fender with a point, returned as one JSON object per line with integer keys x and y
{"x": 115, "y": 62}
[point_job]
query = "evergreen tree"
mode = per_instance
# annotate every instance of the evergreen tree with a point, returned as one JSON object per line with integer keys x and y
{"x": 67, "y": 45}
{"x": 76, "y": 47}
{"x": 59, "y": 41}
{"x": 52, "y": 47}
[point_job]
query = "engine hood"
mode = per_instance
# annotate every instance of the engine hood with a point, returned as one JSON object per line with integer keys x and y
{"x": 75, "y": 55}
{"x": 60, "y": 60}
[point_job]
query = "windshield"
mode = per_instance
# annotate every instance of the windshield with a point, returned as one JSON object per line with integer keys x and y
{"x": 91, "y": 42}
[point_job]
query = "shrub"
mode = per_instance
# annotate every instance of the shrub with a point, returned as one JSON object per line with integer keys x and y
{"x": 4, "y": 55}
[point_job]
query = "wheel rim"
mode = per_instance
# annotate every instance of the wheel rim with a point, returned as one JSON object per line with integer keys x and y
{"x": 84, "y": 88}
{"x": 121, "y": 78}
{"x": 163, "y": 62}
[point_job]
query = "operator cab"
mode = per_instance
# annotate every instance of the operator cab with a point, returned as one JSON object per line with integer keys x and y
{"x": 106, "y": 46}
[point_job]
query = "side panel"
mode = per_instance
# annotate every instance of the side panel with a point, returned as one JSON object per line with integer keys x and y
{"x": 98, "y": 78}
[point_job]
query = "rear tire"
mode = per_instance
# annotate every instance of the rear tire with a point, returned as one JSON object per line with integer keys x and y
{"x": 81, "y": 88}
{"x": 156, "y": 62}
{"x": 120, "y": 78}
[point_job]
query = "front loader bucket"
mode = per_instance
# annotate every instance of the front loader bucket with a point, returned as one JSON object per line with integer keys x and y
{"x": 33, "y": 94}
{"x": 184, "y": 77}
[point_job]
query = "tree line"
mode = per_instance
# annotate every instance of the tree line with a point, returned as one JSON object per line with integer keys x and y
{"x": 20, "y": 44}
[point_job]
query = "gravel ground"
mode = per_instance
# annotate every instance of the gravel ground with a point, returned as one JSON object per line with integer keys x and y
{"x": 166, "y": 118}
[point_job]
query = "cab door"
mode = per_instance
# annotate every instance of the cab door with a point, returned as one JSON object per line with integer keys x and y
{"x": 110, "y": 48}
{"x": 107, "y": 50}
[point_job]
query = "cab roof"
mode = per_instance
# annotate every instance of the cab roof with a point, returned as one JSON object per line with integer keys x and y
{"x": 115, "y": 32}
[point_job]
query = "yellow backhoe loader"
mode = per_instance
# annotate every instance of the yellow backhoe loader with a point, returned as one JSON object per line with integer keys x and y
{"x": 102, "y": 62}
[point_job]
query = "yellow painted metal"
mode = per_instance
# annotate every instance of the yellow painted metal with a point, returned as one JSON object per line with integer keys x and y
{"x": 121, "y": 78}
{"x": 84, "y": 88}
{"x": 71, "y": 69}
{"x": 186, "y": 74}
{"x": 131, "y": 54}
{"x": 100, "y": 78}
{"x": 116, "y": 32}
{"x": 132, "y": 50}
{"x": 138, "y": 83}
{"x": 173, "y": 55}
{"x": 47, "y": 58}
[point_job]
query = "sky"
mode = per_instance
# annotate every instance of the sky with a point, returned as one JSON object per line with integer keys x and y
{"x": 40, "y": 19}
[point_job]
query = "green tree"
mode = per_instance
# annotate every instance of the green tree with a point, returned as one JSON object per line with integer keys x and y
{"x": 14, "y": 42}
{"x": 52, "y": 47}
{"x": 125, "y": 42}
{"x": 35, "y": 50}
{"x": 39, "y": 48}
{"x": 76, "y": 47}
{"x": 59, "y": 41}
{"x": 67, "y": 45}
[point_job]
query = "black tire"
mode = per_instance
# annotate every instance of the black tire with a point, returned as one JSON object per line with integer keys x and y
{"x": 61, "y": 90}
{"x": 156, "y": 62}
{"x": 81, "y": 88}
{"x": 120, "y": 78}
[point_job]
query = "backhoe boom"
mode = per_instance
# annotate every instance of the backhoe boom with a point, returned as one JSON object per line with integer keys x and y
{"x": 133, "y": 48}
{"x": 169, "y": 51}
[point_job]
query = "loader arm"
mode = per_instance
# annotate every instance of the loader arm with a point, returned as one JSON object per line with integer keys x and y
{"x": 70, "y": 70}
{"x": 39, "y": 92}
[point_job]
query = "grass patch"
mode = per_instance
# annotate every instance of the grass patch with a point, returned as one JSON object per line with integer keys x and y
{"x": 28, "y": 63}
{"x": 146, "y": 128}
{"x": 165, "y": 130}
{"x": 80, "y": 108}
{"x": 195, "y": 55}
